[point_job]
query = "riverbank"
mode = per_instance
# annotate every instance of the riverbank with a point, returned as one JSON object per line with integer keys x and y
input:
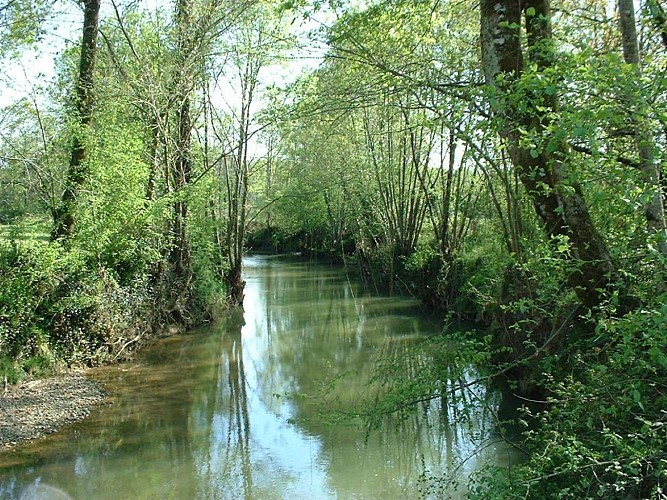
{"x": 34, "y": 409}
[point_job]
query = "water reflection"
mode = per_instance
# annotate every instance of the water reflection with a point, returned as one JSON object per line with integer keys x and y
{"x": 222, "y": 456}
{"x": 234, "y": 411}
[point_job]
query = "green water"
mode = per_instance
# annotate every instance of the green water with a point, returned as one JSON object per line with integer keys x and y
{"x": 241, "y": 408}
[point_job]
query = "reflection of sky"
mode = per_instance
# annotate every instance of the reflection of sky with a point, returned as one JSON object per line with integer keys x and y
{"x": 284, "y": 461}
{"x": 213, "y": 415}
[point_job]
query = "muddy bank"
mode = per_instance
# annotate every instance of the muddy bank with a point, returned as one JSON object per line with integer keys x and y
{"x": 40, "y": 407}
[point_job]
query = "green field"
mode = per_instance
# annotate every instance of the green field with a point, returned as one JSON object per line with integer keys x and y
{"x": 31, "y": 228}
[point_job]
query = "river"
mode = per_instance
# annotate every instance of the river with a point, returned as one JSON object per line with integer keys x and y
{"x": 243, "y": 408}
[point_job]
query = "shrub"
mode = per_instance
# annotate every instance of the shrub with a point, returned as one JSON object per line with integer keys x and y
{"x": 58, "y": 306}
{"x": 603, "y": 429}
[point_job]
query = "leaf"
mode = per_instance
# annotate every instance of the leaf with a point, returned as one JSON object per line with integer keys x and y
{"x": 530, "y": 12}
{"x": 580, "y": 131}
{"x": 637, "y": 397}
{"x": 534, "y": 153}
{"x": 657, "y": 356}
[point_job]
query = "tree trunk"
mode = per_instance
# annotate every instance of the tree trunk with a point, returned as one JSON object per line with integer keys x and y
{"x": 235, "y": 285}
{"x": 179, "y": 255}
{"x": 78, "y": 171}
{"x": 653, "y": 208}
{"x": 559, "y": 203}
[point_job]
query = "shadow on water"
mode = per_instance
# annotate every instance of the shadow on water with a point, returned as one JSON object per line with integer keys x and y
{"x": 234, "y": 410}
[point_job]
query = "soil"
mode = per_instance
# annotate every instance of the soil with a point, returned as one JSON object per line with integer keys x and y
{"x": 34, "y": 409}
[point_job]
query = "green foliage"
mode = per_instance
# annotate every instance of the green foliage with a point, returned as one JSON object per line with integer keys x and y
{"x": 209, "y": 261}
{"x": 21, "y": 24}
{"x": 9, "y": 370}
{"x": 30, "y": 272}
{"x": 421, "y": 259}
{"x": 92, "y": 301}
{"x": 115, "y": 222}
{"x": 602, "y": 431}
{"x": 57, "y": 306}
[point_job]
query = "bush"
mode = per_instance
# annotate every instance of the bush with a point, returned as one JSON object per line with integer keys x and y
{"x": 33, "y": 276}
{"x": 603, "y": 430}
{"x": 462, "y": 284}
{"x": 10, "y": 372}
{"x": 57, "y": 306}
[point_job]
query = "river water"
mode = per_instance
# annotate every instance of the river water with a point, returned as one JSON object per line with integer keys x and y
{"x": 243, "y": 409}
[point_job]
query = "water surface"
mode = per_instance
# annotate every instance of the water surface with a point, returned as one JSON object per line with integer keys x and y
{"x": 242, "y": 408}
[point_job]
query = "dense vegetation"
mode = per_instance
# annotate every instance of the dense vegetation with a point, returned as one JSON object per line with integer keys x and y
{"x": 501, "y": 160}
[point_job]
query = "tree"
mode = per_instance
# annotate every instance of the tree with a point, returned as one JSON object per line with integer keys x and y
{"x": 181, "y": 167}
{"x": 251, "y": 43}
{"x": 653, "y": 207}
{"x": 78, "y": 171}
{"x": 523, "y": 96}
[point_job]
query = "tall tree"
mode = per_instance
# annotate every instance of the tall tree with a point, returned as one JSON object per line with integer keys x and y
{"x": 180, "y": 167}
{"x": 524, "y": 99}
{"x": 257, "y": 36}
{"x": 653, "y": 207}
{"x": 77, "y": 173}
{"x": 398, "y": 150}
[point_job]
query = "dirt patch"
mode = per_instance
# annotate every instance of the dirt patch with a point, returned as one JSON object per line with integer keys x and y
{"x": 34, "y": 409}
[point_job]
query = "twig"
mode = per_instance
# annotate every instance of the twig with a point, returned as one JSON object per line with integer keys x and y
{"x": 135, "y": 339}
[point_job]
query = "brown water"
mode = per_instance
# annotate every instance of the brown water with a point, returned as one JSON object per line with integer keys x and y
{"x": 242, "y": 408}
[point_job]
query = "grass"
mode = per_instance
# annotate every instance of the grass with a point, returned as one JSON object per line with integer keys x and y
{"x": 33, "y": 228}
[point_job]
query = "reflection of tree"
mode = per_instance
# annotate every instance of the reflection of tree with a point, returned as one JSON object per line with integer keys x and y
{"x": 222, "y": 419}
{"x": 239, "y": 421}
{"x": 317, "y": 327}
{"x": 446, "y": 417}
{"x": 324, "y": 341}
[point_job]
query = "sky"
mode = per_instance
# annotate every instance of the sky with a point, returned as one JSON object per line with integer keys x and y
{"x": 29, "y": 75}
